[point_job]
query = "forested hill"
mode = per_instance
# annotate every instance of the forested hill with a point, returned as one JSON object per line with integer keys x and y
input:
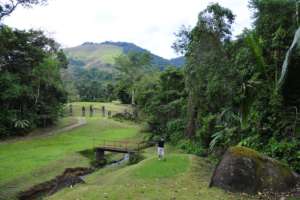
{"x": 102, "y": 55}
{"x": 92, "y": 71}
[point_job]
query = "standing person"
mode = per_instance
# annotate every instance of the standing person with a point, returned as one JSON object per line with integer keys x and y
{"x": 160, "y": 148}
{"x": 91, "y": 110}
{"x": 83, "y": 111}
{"x": 103, "y": 111}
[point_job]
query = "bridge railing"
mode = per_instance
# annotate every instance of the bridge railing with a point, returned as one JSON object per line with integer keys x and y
{"x": 125, "y": 144}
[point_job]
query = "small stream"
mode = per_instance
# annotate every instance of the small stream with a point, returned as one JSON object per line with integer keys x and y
{"x": 114, "y": 163}
{"x": 69, "y": 178}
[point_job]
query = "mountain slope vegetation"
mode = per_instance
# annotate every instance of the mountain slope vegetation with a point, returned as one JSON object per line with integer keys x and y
{"x": 92, "y": 55}
{"x": 102, "y": 55}
{"x": 92, "y": 70}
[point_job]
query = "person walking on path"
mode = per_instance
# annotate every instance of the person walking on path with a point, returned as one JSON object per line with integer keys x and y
{"x": 160, "y": 148}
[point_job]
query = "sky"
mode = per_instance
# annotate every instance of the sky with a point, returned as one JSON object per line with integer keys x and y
{"x": 150, "y": 24}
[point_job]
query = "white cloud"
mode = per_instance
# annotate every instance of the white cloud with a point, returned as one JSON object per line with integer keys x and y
{"x": 149, "y": 24}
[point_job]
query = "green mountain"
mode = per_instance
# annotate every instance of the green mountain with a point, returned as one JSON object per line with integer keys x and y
{"x": 91, "y": 68}
{"x": 102, "y": 55}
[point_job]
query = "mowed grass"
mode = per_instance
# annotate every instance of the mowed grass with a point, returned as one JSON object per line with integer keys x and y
{"x": 66, "y": 121}
{"x": 179, "y": 177}
{"x": 168, "y": 167}
{"x": 114, "y": 107}
{"x": 24, "y": 163}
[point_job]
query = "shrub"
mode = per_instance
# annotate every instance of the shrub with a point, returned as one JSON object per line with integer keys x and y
{"x": 192, "y": 147}
{"x": 135, "y": 158}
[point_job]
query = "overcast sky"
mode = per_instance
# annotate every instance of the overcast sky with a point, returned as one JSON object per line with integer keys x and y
{"x": 150, "y": 24}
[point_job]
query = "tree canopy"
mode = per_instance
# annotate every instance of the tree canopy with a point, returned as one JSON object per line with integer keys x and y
{"x": 229, "y": 86}
{"x": 32, "y": 93}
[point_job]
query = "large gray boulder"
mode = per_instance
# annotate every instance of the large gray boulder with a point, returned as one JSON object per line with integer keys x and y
{"x": 245, "y": 170}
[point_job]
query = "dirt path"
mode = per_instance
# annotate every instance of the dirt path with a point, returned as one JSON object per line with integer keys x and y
{"x": 50, "y": 132}
{"x": 80, "y": 122}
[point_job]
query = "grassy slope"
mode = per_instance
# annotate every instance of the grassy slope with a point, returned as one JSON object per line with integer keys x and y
{"x": 24, "y": 163}
{"x": 93, "y": 54}
{"x": 66, "y": 121}
{"x": 180, "y": 177}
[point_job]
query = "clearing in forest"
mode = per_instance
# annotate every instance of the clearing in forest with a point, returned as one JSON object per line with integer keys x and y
{"x": 25, "y": 163}
{"x": 180, "y": 176}
{"x": 28, "y": 161}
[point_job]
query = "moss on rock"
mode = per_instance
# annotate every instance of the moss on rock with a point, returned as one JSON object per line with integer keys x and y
{"x": 246, "y": 170}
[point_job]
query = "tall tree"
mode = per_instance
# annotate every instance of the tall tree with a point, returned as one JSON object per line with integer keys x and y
{"x": 31, "y": 86}
{"x": 203, "y": 50}
{"x": 162, "y": 96}
{"x": 132, "y": 67}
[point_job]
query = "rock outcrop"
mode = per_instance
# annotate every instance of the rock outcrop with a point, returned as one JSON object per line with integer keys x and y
{"x": 245, "y": 170}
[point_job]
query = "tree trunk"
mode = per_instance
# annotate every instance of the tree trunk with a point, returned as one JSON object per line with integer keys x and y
{"x": 38, "y": 94}
{"x": 190, "y": 130}
{"x": 132, "y": 97}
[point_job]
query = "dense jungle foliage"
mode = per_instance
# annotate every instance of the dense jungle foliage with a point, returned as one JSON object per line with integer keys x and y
{"x": 88, "y": 84}
{"x": 32, "y": 93}
{"x": 227, "y": 93}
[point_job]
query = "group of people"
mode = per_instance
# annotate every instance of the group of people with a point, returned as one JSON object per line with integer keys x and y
{"x": 83, "y": 110}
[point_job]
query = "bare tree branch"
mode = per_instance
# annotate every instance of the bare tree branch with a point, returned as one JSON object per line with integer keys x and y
{"x": 7, "y": 7}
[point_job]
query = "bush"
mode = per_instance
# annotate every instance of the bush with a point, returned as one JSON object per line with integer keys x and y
{"x": 124, "y": 116}
{"x": 192, "y": 147}
{"x": 135, "y": 158}
{"x": 207, "y": 129}
{"x": 175, "y": 129}
{"x": 287, "y": 150}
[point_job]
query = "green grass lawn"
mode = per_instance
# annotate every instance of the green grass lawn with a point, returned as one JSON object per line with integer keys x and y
{"x": 66, "y": 121}
{"x": 62, "y": 123}
{"x": 24, "y": 163}
{"x": 114, "y": 107}
{"x": 154, "y": 168}
{"x": 179, "y": 176}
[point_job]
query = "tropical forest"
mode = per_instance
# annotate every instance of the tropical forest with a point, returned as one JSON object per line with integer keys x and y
{"x": 110, "y": 119}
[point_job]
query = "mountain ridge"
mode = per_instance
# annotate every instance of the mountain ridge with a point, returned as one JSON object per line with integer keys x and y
{"x": 101, "y": 55}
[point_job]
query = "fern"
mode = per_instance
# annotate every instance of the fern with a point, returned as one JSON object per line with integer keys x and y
{"x": 22, "y": 124}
